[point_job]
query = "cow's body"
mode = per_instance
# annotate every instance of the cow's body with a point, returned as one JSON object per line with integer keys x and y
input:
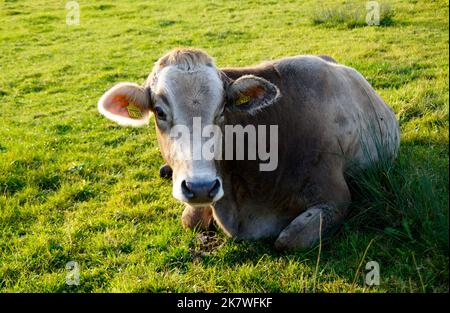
{"x": 330, "y": 121}
{"x": 324, "y": 112}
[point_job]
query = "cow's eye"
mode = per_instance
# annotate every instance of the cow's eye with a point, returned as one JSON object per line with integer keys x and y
{"x": 160, "y": 114}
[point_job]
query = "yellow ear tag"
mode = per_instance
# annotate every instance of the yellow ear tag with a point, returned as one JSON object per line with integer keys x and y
{"x": 243, "y": 99}
{"x": 133, "y": 111}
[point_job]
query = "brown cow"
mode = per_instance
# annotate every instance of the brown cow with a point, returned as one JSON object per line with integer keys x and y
{"x": 329, "y": 121}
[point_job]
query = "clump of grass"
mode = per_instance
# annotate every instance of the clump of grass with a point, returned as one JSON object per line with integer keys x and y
{"x": 349, "y": 15}
{"x": 394, "y": 196}
{"x": 401, "y": 202}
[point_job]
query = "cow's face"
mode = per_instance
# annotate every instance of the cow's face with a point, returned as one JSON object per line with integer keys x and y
{"x": 188, "y": 97}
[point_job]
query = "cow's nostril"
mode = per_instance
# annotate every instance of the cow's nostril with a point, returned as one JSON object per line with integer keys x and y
{"x": 165, "y": 172}
{"x": 214, "y": 189}
{"x": 187, "y": 192}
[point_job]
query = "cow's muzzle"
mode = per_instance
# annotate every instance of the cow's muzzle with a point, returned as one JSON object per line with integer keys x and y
{"x": 202, "y": 191}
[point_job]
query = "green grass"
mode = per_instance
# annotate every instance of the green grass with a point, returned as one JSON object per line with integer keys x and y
{"x": 76, "y": 187}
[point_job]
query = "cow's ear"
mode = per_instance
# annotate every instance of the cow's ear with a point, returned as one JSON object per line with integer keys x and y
{"x": 128, "y": 104}
{"x": 251, "y": 93}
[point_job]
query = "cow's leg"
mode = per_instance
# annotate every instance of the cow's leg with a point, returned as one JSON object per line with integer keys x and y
{"x": 304, "y": 231}
{"x": 320, "y": 220}
{"x": 200, "y": 218}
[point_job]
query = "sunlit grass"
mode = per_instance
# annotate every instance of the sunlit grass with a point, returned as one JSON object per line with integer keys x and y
{"x": 76, "y": 187}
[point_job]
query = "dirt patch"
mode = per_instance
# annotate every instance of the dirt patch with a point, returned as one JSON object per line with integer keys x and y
{"x": 206, "y": 243}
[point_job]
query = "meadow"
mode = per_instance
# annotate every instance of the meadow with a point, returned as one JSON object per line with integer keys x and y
{"x": 76, "y": 187}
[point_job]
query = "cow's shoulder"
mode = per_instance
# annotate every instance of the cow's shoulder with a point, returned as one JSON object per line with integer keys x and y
{"x": 265, "y": 70}
{"x": 308, "y": 67}
{"x": 305, "y": 64}
{"x": 327, "y": 58}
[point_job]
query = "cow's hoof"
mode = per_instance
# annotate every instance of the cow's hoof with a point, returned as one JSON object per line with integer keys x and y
{"x": 302, "y": 233}
{"x": 200, "y": 218}
{"x": 165, "y": 172}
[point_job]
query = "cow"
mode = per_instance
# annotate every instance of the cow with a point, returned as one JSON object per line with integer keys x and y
{"x": 330, "y": 122}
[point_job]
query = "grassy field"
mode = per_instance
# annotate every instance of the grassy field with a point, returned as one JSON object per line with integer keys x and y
{"x": 76, "y": 187}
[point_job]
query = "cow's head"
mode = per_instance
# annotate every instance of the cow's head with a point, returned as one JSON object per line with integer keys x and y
{"x": 184, "y": 86}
